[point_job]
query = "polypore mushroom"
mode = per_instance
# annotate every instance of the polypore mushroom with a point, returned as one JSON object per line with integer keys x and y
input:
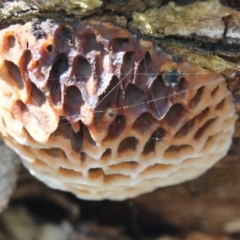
{"x": 102, "y": 114}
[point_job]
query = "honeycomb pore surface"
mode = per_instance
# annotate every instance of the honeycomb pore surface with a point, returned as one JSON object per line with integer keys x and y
{"x": 102, "y": 114}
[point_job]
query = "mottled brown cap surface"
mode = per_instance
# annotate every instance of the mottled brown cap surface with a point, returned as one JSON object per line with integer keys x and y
{"x": 100, "y": 113}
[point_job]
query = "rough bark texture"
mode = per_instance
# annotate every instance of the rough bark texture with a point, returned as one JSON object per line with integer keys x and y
{"x": 205, "y": 208}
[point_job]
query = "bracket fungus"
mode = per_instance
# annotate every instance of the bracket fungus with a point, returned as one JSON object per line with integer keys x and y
{"x": 95, "y": 111}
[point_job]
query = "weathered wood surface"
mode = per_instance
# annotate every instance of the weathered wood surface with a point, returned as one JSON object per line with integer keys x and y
{"x": 209, "y": 204}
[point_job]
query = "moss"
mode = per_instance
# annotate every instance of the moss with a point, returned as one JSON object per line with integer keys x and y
{"x": 84, "y": 5}
{"x": 25, "y": 10}
{"x": 203, "y": 58}
{"x": 200, "y": 18}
